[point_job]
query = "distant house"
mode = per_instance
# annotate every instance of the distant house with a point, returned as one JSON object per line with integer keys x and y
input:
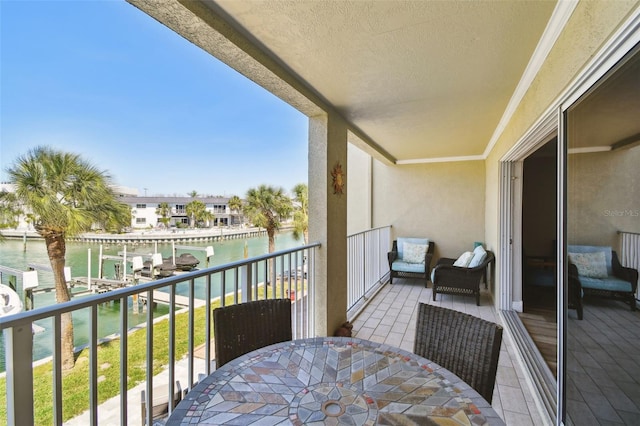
{"x": 144, "y": 211}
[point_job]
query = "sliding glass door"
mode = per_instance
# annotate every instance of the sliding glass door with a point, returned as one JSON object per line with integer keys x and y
{"x": 601, "y": 163}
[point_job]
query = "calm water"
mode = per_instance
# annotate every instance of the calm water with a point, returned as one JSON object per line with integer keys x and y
{"x": 12, "y": 254}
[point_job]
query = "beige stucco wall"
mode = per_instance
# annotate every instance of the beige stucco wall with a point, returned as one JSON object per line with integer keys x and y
{"x": 603, "y": 195}
{"x": 590, "y": 26}
{"x": 359, "y": 190}
{"x": 441, "y": 201}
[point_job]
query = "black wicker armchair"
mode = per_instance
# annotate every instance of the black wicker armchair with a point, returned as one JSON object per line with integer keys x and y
{"x": 449, "y": 279}
{"x": 245, "y": 327}
{"x": 467, "y": 346}
{"x": 398, "y": 267}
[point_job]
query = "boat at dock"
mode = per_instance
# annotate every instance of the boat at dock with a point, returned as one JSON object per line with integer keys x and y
{"x": 162, "y": 270}
{"x": 10, "y": 302}
{"x": 185, "y": 262}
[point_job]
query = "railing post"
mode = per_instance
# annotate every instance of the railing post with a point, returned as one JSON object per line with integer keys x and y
{"x": 365, "y": 264}
{"x": 245, "y": 283}
{"x": 18, "y": 341}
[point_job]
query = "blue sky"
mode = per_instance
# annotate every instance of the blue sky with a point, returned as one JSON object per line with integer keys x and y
{"x": 104, "y": 80}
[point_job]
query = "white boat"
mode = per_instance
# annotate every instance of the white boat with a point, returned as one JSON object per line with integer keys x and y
{"x": 10, "y": 302}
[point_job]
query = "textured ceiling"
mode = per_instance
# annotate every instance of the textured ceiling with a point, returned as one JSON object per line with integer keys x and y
{"x": 422, "y": 80}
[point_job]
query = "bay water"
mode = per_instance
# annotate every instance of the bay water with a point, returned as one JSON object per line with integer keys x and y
{"x": 14, "y": 254}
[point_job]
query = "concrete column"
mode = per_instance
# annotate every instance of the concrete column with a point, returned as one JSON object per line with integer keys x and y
{"x": 328, "y": 220}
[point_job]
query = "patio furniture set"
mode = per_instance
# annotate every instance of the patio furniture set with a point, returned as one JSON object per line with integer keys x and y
{"x": 593, "y": 271}
{"x": 411, "y": 257}
{"x": 266, "y": 377}
{"x": 449, "y": 377}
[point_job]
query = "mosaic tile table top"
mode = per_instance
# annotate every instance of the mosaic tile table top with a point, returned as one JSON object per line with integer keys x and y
{"x": 332, "y": 381}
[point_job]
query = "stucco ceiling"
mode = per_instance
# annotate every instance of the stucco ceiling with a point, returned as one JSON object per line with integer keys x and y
{"x": 422, "y": 79}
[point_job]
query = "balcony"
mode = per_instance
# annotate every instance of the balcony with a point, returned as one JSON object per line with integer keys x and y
{"x": 177, "y": 345}
{"x": 380, "y": 312}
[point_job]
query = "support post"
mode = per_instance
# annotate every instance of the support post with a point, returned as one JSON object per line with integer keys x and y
{"x": 136, "y": 306}
{"x": 100, "y": 265}
{"x": 13, "y": 282}
{"x": 328, "y": 175}
{"x": 89, "y": 269}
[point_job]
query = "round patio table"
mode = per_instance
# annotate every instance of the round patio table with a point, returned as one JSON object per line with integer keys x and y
{"x": 332, "y": 381}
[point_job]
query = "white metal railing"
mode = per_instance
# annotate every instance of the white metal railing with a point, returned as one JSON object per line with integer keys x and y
{"x": 292, "y": 270}
{"x": 367, "y": 264}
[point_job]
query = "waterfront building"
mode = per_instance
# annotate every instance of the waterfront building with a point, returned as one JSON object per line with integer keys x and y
{"x": 145, "y": 213}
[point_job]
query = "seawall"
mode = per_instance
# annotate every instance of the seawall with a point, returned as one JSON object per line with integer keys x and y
{"x": 150, "y": 236}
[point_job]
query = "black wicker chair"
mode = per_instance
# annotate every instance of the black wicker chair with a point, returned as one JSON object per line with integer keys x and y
{"x": 467, "y": 346}
{"x": 242, "y": 328}
{"x": 449, "y": 279}
{"x": 425, "y": 273}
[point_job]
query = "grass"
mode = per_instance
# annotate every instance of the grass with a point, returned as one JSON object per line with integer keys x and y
{"x": 75, "y": 382}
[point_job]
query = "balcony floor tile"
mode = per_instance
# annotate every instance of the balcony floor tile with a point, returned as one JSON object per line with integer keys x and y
{"x": 396, "y": 304}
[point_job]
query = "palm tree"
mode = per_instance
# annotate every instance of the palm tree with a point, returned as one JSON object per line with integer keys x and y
{"x": 301, "y": 213}
{"x": 235, "y": 205}
{"x": 9, "y": 213}
{"x": 193, "y": 194}
{"x": 208, "y": 217}
{"x": 164, "y": 210}
{"x": 66, "y": 195}
{"x": 266, "y": 207}
{"x": 113, "y": 217}
{"x": 195, "y": 210}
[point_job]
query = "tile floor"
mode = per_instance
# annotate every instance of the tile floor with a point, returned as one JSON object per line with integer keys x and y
{"x": 390, "y": 318}
{"x": 603, "y": 365}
